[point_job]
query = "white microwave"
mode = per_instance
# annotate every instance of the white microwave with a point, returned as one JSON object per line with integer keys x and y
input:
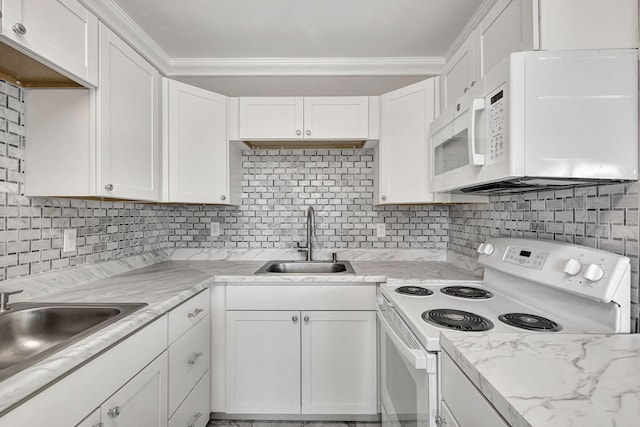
{"x": 539, "y": 120}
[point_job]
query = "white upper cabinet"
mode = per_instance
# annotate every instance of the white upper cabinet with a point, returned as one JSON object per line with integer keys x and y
{"x": 459, "y": 73}
{"x": 98, "y": 142}
{"x": 296, "y": 118}
{"x": 403, "y": 156}
{"x": 520, "y": 25}
{"x": 128, "y": 122}
{"x": 63, "y": 33}
{"x": 199, "y": 162}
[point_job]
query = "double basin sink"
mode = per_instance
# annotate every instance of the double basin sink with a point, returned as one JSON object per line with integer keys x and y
{"x": 30, "y": 332}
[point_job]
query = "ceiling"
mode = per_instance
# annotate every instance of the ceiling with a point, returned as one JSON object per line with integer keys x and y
{"x": 238, "y": 47}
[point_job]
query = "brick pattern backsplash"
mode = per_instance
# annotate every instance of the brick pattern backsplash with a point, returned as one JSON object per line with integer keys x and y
{"x": 604, "y": 217}
{"x": 279, "y": 185}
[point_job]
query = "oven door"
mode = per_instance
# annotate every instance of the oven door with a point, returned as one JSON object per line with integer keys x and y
{"x": 408, "y": 374}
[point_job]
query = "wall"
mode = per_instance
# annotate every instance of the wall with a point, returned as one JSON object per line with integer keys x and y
{"x": 604, "y": 217}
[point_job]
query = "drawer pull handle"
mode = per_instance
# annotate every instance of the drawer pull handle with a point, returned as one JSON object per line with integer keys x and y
{"x": 195, "y": 358}
{"x": 195, "y": 313}
{"x": 196, "y": 417}
{"x": 114, "y": 412}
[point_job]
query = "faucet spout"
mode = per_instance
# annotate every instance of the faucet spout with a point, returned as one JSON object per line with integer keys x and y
{"x": 311, "y": 231}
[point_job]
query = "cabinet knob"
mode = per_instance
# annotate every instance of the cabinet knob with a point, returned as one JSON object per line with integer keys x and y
{"x": 223, "y": 197}
{"x": 196, "y": 417}
{"x": 308, "y": 132}
{"x": 195, "y": 312}
{"x": 108, "y": 187}
{"x": 298, "y": 132}
{"x": 294, "y": 319}
{"x": 19, "y": 29}
{"x": 114, "y": 412}
{"x": 458, "y": 107}
{"x": 383, "y": 197}
{"x": 306, "y": 319}
{"x": 466, "y": 89}
{"x": 473, "y": 83}
{"x": 195, "y": 358}
{"x": 100, "y": 424}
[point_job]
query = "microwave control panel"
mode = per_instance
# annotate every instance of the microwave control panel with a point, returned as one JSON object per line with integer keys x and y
{"x": 496, "y": 126}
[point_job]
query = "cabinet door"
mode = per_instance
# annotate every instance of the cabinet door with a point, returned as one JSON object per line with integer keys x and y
{"x": 142, "y": 401}
{"x": 336, "y": 117}
{"x": 403, "y": 152}
{"x": 196, "y": 144}
{"x": 271, "y": 118}
{"x": 458, "y": 74}
{"x": 128, "y": 154}
{"x": 339, "y": 362}
{"x": 93, "y": 420}
{"x": 499, "y": 34}
{"x": 63, "y": 32}
{"x": 263, "y": 362}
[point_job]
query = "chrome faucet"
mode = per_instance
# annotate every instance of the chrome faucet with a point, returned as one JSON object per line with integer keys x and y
{"x": 4, "y": 300}
{"x": 311, "y": 231}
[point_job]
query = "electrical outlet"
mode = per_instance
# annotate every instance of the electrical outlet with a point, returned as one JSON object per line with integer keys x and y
{"x": 215, "y": 229}
{"x": 69, "y": 240}
{"x": 381, "y": 230}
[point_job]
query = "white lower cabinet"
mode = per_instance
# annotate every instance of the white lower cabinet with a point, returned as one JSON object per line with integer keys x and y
{"x": 339, "y": 362}
{"x": 263, "y": 362}
{"x": 142, "y": 401}
{"x": 463, "y": 405}
{"x": 194, "y": 411}
{"x": 301, "y": 362}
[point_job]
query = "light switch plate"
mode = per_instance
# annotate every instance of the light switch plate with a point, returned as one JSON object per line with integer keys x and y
{"x": 381, "y": 230}
{"x": 215, "y": 229}
{"x": 69, "y": 240}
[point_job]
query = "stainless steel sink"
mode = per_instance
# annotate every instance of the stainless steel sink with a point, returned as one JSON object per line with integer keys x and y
{"x": 306, "y": 267}
{"x": 29, "y": 332}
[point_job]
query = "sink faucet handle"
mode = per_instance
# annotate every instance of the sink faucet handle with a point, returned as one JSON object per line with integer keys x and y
{"x": 334, "y": 257}
{"x": 4, "y": 299}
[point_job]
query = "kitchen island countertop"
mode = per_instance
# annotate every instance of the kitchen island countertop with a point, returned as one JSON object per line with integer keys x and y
{"x": 554, "y": 380}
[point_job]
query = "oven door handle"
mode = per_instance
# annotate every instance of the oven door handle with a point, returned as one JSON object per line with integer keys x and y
{"x": 415, "y": 357}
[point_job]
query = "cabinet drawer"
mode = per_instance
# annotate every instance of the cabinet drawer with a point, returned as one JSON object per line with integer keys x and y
{"x": 194, "y": 411}
{"x": 188, "y": 360}
{"x": 188, "y": 314}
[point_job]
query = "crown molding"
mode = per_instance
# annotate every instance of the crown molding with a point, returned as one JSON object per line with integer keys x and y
{"x": 471, "y": 25}
{"x": 391, "y": 66}
{"x": 115, "y": 18}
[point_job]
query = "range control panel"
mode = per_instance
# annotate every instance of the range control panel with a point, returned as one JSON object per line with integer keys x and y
{"x": 588, "y": 272}
{"x": 526, "y": 257}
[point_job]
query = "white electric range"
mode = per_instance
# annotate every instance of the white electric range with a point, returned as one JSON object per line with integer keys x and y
{"x": 528, "y": 286}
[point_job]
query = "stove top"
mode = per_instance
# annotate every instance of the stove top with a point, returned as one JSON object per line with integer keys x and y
{"x": 417, "y": 291}
{"x": 457, "y": 319}
{"x": 470, "y": 292}
{"x": 530, "y": 322}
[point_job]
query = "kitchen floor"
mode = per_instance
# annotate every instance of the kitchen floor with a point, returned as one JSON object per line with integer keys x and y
{"x": 225, "y": 423}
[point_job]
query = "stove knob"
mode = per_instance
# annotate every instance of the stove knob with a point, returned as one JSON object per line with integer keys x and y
{"x": 481, "y": 248}
{"x": 593, "y": 272}
{"x": 572, "y": 267}
{"x": 488, "y": 249}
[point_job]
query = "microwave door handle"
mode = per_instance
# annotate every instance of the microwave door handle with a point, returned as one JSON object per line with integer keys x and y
{"x": 416, "y": 358}
{"x": 475, "y": 159}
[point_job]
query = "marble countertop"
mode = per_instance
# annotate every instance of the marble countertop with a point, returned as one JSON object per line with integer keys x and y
{"x": 554, "y": 380}
{"x": 164, "y": 284}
